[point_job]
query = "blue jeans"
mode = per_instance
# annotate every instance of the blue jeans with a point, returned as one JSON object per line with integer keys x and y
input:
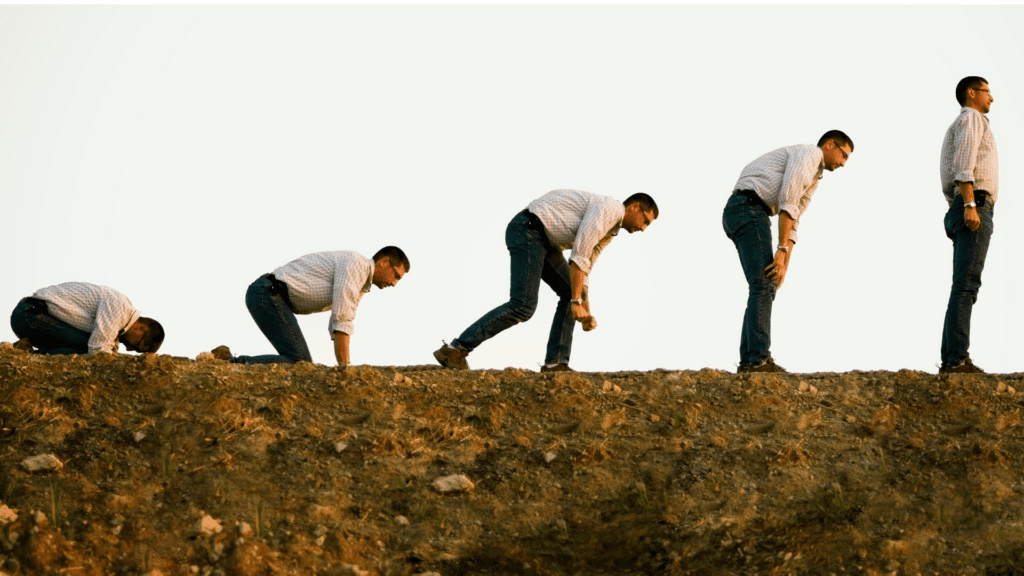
{"x": 746, "y": 223}
{"x": 969, "y": 251}
{"x": 533, "y": 259}
{"x": 276, "y": 320}
{"x": 48, "y": 334}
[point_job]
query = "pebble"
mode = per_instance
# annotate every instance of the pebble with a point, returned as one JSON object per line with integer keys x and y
{"x": 244, "y": 529}
{"x": 207, "y": 526}
{"x": 204, "y": 357}
{"x": 7, "y": 515}
{"x": 39, "y": 519}
{"x": 401, "y": 520}
{"x": 340, "y": 447}
{"x": 607, "y": 387}
{"x": 549, "y": 456}
{"x": 453, "y": 483}
{"x": 42, "y": 462}
{"x": 139, "y": 436}
{"x": 215, "y": 553}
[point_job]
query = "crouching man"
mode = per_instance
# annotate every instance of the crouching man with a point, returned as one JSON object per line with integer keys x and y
{"x": 82, "y": 318}
{"x": 316, "y": 282}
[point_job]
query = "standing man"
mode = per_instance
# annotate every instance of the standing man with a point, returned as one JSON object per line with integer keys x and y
{"x": 81, "y": 318}
{"x": 316, "y": 282}
{"x": 536, "y": 238}
{"x": 780, "y": 182}
{"x": 969, "y": 171}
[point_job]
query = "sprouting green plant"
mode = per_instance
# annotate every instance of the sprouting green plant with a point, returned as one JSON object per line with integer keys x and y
{"x": 56, "y": 503}
{"x": 259, "y": 519}
{"x": 830, "y": 506}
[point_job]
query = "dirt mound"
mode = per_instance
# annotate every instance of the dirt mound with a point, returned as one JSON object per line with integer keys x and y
{"x": 128, "y": 465}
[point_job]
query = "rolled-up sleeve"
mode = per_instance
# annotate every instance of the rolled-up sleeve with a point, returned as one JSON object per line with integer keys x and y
{"x": 112, "y": 315}
{"x": 349, "y": 281}
{"x": 801, "y": 174}
{"x": 798, "y": 185}
{"x": 599, "y": 219}
{"x": 969, "y": 131}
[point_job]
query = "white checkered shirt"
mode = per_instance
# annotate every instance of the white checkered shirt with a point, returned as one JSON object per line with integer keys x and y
{"x": 334, "y": 281}
{"x": 579, "y": 220}
{"x": 785, "y": 179}
{"x": 969, "y": 155}
{"x": 103, "y": 312}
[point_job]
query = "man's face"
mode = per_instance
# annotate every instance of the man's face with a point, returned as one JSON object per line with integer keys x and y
{"x": 385, "y": 275}
{"x": 980, "y": 98}
{"x": 635, "y": 219}
{"x": 835, "y": 156}
{"x": 132, "y": 337}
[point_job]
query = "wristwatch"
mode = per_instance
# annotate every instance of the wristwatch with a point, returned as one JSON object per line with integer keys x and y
{"x": 579, "y": 301}
{"x": 970, "y": 205}
{"x": 783, "y": 248}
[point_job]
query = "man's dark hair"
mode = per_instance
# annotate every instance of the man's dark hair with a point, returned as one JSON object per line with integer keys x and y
{"x": 646, "y": 202}
{"x": 394, "y": 255}
{"x": 153, "y": 337}
{"x": 966, "y": 84}
{"x": 838, "y": 137}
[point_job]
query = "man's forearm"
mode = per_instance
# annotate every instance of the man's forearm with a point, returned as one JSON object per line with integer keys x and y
{"x": 786, "y": 224}
{"x": 967, "y": 191}
{"x": 577, "y": 278}
{"x": 341, "y": 348}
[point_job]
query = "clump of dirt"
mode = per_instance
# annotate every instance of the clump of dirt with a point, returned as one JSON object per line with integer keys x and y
{"x": 168, "y": 466}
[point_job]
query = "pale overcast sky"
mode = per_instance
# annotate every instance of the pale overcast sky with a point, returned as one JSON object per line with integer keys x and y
{"x": 177, "y": 153}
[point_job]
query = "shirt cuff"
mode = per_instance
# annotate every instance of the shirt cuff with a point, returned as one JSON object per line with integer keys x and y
{"x": 965, "y": 177}
{"x": 581, "y": 263}
{"x": 346, "y": 327}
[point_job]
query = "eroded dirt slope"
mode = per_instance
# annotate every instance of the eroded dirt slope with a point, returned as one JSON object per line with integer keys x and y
{"x": 175, "y": 467}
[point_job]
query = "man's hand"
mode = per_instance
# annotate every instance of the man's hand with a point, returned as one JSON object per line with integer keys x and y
{"x": 589, "y": 324}
{"x": 580, "y": 312}
{"x": 972, "y": 219}
{"x": 776, "y": 271}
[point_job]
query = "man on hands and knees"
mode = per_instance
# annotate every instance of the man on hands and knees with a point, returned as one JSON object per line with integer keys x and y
{"x": 780, "y": 182}
{"x": 316, "y": 282}
{"x": 969, "y": 170}
{"x": 82, "y": 318}
{"x": 536, "y": 238}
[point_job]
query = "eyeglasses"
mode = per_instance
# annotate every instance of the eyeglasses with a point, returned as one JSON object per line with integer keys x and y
{"x": 395, "y": 271}
{"x": 980, "y": 89}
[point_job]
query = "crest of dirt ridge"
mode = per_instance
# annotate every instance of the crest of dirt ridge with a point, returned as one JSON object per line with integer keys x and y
{"x": 126, "y": 465}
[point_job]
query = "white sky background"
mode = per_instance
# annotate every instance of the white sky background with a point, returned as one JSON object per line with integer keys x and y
{"x": 177, "y": 153}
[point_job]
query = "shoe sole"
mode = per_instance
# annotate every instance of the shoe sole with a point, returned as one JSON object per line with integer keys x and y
{"x": 443, "y": 360}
